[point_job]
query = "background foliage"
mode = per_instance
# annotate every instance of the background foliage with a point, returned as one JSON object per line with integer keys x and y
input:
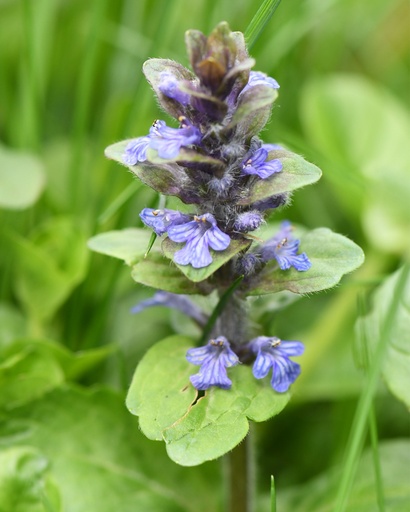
{"x": 71, "y": 84}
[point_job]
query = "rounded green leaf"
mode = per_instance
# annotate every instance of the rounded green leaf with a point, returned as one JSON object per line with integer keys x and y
{"x": 196, "y": 430}
{"x": 128, "y": 244}
{"x": 332, "y": 255}
{"x": 160, "y": 392}
{"x": 157, "y": 272}
{"x": 22, "y": 179}
{"x": 219, "y": 420}
{"x": 296, "y": 173}
{"x": 396, "y": 364}
{"x": 218, "y": 258}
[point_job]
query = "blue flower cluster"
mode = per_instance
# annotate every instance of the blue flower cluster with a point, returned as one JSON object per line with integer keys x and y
{"x": 271, "y": 353}
{"x": 214, "y": 160}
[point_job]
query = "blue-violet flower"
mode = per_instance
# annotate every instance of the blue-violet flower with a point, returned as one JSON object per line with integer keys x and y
{"x": 214, "y": 358}
{"x": 136, "y": 150}
{"x": 171, "y": 300}
{"x": 161, "y": 220}
{"x": 257, "y": 163}
{"x": 274, "y": 353}
{"x": 169, "y": 85}
{"x": 168, "y": 141}
{"x": 200, "y": 233}
{"x": 259, "y": 78}
{"x": 284, "y": 248}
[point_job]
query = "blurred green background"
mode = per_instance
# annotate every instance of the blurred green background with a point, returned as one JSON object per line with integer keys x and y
{"x": 70, "y": 85}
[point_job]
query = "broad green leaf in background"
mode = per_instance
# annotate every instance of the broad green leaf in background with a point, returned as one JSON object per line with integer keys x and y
{"x": 396, "y": 365}
{"x": 27, "y": 375}
{"x": 49, "y": 265}
{"x": 24, "y": 482}
{"x": 22, "y": 179}
{"x": 12, "y": 324}
{"x": 218, "y": 258}
{"x": 164, "y": 399}
{"x": 31, "y": 367}
{"x": 296, "y": 173}
{"x": 101, "y": 462}
{"x": 332, "y": 255}
{"x": 128, "y": 244}
{"x": 364, "y": 129}
{"x": 318, "y": 495}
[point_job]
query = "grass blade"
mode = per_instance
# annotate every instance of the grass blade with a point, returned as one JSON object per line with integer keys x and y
{"x": 261, "y": 18}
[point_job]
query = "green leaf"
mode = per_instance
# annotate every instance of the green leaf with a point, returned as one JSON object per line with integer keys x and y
{"x": 158, "y": 401}
{"x": 396, "y": 362}
{"x": 296, "y": 173}
{"x": 374, "y": 127}
{"x": 218, "y": 258}
{"x": 319, "y": 494}
{"x": 332, "y": 255}
{"x": 129, "y": 244}
{"x": 12, "y": 324}
{"x": 157, "y": 272}
{"x": 26, "y": 375}
{"x": 59, "y": 246}
{"x": 89, "y": 436}
{"x": 32, "y": 367}
{"x": 22, "y": 179}
{"x": 24, "y": 483}
{"x": 164, "y": 399}
{"x": 219, "y": 421}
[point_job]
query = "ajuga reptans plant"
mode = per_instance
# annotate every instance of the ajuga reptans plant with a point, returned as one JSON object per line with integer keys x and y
{"x": 227, "y": 180}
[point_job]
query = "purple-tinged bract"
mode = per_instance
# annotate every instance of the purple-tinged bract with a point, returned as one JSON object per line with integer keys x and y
{"x": 214, "y": 358}
{"x": 199, "y": 234}
{"x": 271, "y": 352}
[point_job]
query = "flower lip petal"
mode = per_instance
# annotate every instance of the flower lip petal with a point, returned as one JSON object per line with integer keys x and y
{"x": 272, "y": 352}
{"x": 214, "y": 358}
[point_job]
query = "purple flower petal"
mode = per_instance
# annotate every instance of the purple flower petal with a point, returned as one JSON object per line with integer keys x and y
{"x": 257, "y": 164}
{"x": 214, "y": 359}
{"x": 174, "y": 301}
{"x": 168, "y": 141}
{"x": 136, "y": 150}
{"x": 284, "y": 248}
{"x": 169, "y": 85}
{"x": 161, "y": 220}
{"x": 200, "y": 234}
{"x": 271, "y": 352}
{"x": 259, "y": 78}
